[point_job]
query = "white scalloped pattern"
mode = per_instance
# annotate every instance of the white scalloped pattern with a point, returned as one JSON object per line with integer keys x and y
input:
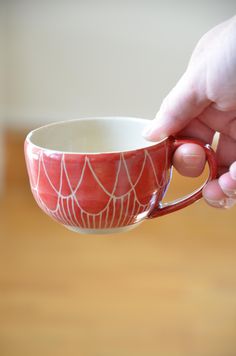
{"x": 116, "y": 213}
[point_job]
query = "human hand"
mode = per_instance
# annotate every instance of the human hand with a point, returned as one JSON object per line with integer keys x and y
{"x": 202, "y": 103}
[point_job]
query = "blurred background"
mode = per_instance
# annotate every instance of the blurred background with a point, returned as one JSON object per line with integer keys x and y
{"x": 167, "y": 288}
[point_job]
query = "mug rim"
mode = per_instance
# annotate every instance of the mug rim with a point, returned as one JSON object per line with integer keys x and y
{"x": 57, "y": 123}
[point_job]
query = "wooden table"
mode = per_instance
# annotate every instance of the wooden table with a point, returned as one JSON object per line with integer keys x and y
{"x": 167, "y": 288}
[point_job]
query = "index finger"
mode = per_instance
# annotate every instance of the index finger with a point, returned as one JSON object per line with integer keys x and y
{"x": 186, "y": 101}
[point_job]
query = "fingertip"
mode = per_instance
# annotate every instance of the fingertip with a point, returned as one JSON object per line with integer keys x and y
{"x": 189, "y": 160}
{"x": 155, "y": 131}
{"x": 228, "y": 185}
{"x": 215, "y": 197}
{"x": 232, "y": 171}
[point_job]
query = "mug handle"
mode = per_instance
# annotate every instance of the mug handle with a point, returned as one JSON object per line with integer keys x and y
{"x": 166, "y": 208}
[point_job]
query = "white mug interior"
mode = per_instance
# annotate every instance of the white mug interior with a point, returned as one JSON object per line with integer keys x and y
{"x": 92, "y": 135}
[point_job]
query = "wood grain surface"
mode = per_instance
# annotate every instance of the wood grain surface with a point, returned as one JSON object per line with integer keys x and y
{"x": 167, "y": 288}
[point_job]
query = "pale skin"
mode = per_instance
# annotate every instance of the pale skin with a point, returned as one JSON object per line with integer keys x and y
{"x": 202, "y": 103}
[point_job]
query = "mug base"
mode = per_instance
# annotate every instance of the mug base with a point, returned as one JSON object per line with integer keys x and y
{"x": 114, "y": 230}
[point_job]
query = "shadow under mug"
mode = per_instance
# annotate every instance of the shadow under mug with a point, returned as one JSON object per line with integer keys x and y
{"x": 99, "y": 175}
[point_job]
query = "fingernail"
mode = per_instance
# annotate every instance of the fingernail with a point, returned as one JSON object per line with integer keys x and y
{"x": 149, "y": 133}
{"x": 233, "y": 171}
{"x": 230, "y": 193}
{"x": 233, "y": 175}
{"x": 147, "y": 130}
{"x": 225, "y": 203}
{"x": 229, "y": 203}
{"x": 192, "y": 160}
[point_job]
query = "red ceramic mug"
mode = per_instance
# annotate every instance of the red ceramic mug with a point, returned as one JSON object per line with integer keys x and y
{"x": 99, "y": 175}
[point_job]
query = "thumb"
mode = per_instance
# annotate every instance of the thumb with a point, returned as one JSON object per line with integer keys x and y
{"x": 185, "y": 102}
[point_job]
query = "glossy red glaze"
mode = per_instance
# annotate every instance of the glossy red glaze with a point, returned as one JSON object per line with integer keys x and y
{"x": 109, "y": 190}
